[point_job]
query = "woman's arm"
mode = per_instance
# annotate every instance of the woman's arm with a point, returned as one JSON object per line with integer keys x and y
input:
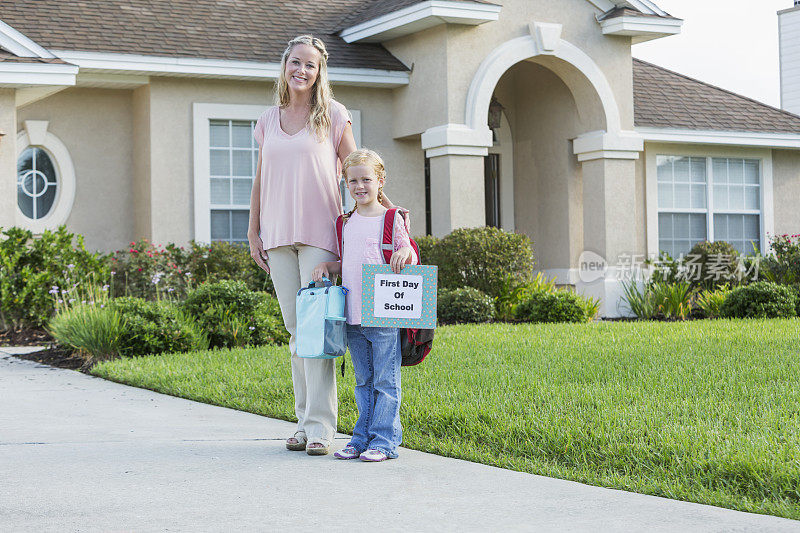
{"x": 254, "y": 227}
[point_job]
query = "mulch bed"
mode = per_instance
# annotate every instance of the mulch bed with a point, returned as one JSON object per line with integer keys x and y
{"x": 56, "y": 356}
{"x": 25, "y": 337}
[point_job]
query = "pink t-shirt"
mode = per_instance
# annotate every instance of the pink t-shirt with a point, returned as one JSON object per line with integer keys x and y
{"x": 361, "y": 245}
{"x": 300, "y": 197}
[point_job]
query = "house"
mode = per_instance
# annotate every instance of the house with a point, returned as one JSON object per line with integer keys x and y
{"x": 130, "y": 118}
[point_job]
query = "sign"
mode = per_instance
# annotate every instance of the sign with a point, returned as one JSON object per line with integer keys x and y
{"x": 405, "y": 300}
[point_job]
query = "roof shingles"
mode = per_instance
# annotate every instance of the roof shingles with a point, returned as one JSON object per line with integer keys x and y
{"x": 666, "y": 99}
{"x": 245, "y": 30}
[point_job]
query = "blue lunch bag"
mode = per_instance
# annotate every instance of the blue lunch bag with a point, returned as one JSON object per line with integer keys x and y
{"x": 321, "y": 324}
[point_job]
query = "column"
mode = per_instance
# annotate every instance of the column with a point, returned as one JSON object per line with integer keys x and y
{"x": 8, "y": 158}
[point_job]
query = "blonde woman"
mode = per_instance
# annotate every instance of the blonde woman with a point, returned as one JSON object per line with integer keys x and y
{"x": 293, "y": 207}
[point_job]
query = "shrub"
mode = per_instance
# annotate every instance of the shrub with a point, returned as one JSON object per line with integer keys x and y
{"x": 33, "y": 269}
{"x": 156, "y": 327}
{"x": 709, "y": 303}
{"x": 762, "y": 299}
{"x": 658, "y": 299}
{"x": 557, "y": 306}
{"x": 783, "y": 264}
{"x": 464, "y": 305}
{"x": 233, "y": 315}
{"x": 149, "y": 271}
{"x": 94, "y": 330}
{"x": 710, "y": 265}
{"x": 426, "y": 244}
{"x": 512, "y": 293}
{"x": 483, "y": 258}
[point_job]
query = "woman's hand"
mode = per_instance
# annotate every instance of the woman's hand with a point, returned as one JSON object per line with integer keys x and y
{"x": 257, "y": 252}
{"x": 321, "y": 271}
{"x": 400, "y": 258}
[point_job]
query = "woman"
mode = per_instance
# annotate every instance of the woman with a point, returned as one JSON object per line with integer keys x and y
{"x": 293, "y": 206}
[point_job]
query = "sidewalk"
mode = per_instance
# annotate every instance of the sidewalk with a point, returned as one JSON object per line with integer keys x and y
{"x": 78, "y": 453}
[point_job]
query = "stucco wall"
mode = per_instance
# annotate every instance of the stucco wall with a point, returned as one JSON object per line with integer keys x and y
{"x": 547, "y": 184}
{"x": 8, "y": 158}
{"x": 446, "y": 58}
{"x": 96, "y": 127}
{"x": 786, "y": 187}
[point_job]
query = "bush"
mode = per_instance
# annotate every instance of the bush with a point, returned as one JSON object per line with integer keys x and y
{"x": 149, "y": 271}
{"x": 709, "y": 303}
{"x": 557, "y": 306}
{"x": 92, "y": 329}
{"x": 710, "y": 265}
{"x": 233, "y": 315}
{"x": 762, "y": 299}
{"x": 464, "y": 305}
{"x": 156, "y": 327}
{"x": 783, "y": 264}
{"x": 483, "y": 258}
{"x": 426, "y": 244}
{"x": 658, "y": 299}
{"x": 34, "y": 269}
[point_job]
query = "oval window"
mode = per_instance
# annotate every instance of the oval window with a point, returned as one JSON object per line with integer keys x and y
{"x": 37, "y": 183}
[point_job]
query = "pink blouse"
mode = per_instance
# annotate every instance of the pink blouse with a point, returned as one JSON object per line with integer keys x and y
{"x": 361, "y": 244}
{"x": 300, "y": 197}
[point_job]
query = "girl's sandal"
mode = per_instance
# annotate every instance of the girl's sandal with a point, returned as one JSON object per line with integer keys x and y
{"x": 296, "y": 443}
{"x": 317, "y": 447}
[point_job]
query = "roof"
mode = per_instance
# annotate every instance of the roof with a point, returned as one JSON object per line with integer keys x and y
{"x": 628, "y": 12}
{"x": 7, "y": 57}
{"x": 378, "y": 8}
{"x": 665, "y": 99}
{"x": 244, "y": 30}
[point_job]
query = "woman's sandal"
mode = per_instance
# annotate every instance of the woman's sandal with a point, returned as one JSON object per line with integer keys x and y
{"x": 296, "y": 443}
{"x": 317, "y": 447}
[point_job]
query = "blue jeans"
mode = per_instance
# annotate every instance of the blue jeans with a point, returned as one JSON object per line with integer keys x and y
{"x": 376, "y": 359}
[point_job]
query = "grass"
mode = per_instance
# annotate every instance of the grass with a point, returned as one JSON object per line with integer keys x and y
{"x": 703, "y": 411}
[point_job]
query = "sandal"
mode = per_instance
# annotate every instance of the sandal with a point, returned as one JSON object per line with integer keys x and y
{"x": 317, "y": 447}
{"x": 299, "y": 443}
{"x": 348, "y": 452}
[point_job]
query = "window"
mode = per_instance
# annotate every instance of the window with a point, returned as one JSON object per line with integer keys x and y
{"x": 225, "y": 161}
{"x": 708, "y": 198}
{"x": 37, "y": 183}
{"x": 233, "y": 156}
{"x": 45, "y": 178}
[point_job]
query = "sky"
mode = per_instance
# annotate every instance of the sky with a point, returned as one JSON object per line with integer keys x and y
{"x": 729, "y": 43}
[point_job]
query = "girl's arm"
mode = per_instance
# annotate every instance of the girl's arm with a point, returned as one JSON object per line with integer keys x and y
{"x": 253, "y": 228}
{"x": 403, "y": 253}
{"x": 328, "y": 269}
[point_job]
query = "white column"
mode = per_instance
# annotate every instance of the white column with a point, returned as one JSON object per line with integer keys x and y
{"x": 8, "y": 158}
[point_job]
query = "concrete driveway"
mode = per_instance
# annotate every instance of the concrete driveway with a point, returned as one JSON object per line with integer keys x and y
{"x": 78, "y": 453}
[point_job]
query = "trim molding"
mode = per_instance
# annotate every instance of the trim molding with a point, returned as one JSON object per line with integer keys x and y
{"x": 456, "y": 139}
{"x": 20, "y": 45}
{"x": 730, "y": 138}
{"x": 418, "y": 17}
{"x": 641, "y": 28}
{"x": 220, "y": 68}
{"x": 27, "y": 74}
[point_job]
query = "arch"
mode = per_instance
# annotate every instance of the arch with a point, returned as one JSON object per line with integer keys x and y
{"x": 65, "y": 175}
{"x": 521, "y": 48}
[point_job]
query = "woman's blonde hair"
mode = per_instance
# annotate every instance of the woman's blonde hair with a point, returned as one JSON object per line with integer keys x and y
{"x": 366, "y": 157}
{"x": 319, "y": 118}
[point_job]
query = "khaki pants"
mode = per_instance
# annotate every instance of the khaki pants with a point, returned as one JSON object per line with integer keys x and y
{"x": 314, "y": 380}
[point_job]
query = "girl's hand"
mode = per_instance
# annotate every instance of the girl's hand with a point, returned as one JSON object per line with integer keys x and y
{"x": 257, "y": 252}
{"x": 320, "y": 271}
{"x": 400, "y": 258}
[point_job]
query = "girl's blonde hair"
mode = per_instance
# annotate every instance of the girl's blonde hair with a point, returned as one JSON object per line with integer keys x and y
{"x": 366, "y": 157}
{"x": 321, "y": 94}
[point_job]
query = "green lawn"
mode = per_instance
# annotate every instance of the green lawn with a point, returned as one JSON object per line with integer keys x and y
{"x": 705, "y": 411}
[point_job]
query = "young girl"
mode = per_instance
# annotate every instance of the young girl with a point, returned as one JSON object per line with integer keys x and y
{"x": 375, "y": 351}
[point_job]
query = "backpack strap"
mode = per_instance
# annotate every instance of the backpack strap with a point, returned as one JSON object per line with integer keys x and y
{"x": 339, "y": 233}
{"x": 387, "y": 234}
